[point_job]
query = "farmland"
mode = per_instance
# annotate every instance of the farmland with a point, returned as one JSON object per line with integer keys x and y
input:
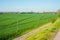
{"x": 47, "y": 33}
{"x": 14, "y": 25}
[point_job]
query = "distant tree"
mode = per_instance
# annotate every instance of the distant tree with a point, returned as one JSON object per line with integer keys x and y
{"x": 58, "y": 13}
{"x": 1, "y": 12}
{"x": 22, "y": 13}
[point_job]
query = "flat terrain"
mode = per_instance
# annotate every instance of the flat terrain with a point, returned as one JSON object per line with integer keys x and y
{"x": 14, "y": 25}
{"x": 48, "y": 33}
{"x": 32, "y": 32}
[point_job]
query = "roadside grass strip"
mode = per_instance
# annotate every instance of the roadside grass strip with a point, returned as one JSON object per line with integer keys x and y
{"x": 47, "y": 33}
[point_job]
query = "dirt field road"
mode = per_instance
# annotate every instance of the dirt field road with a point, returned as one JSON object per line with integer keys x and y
{"x": 57, "y": 37}
{"x": 32, "y": 32}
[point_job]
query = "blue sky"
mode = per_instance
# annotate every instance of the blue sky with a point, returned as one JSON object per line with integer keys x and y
{"x": 29, "y": 5}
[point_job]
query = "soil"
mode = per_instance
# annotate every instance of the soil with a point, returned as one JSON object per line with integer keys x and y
{"x": 57, "y": 37}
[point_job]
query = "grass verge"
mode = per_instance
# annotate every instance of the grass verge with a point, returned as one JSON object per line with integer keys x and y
{"x": 47, "y": 33}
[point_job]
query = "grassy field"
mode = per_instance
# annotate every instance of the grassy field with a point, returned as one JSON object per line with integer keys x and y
{"x": 47, "y": 33}
{"x": 13, "y": 25}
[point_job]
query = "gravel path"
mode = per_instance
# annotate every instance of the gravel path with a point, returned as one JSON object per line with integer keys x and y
{"x": 32, "y": 32}
{"x": 57, "y": 37}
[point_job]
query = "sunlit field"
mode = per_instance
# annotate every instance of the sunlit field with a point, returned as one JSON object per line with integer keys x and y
{"x": 47, "y": 33}
{"x": 14, "y": 25}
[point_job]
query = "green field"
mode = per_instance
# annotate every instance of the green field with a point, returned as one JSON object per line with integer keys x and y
{"x": 14, "y": 25}
{"x": 47, "y": 33}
